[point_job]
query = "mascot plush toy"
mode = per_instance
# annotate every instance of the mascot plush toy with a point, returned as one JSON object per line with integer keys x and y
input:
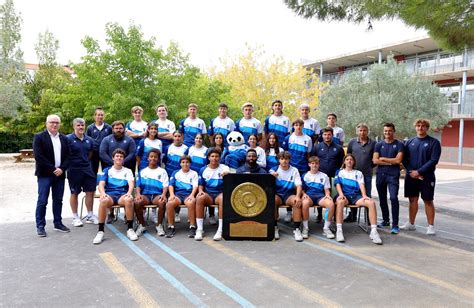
{"x": 237, "y": 150}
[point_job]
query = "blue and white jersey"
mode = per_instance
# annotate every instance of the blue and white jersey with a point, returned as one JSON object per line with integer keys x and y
{"x": 198, "y": 157}
{"x": 152, "y": 181}
{"x": 171, "y": 159}
{"x": 261, "y": 157}
{"x": 280, "y": 125}
{"x": 314, "y": 184}
{"x": 272, "y": 160}
{"x": 165, "y": 126}
{"x": 144, "y": 147}
{"x": 299, "y": 147}
{"x": 338, "y": 135}
{"x": 116, "y": 181}
{"x": 136, "y": 128}
{"x": 190, "y": 128}
{"x": 212, "y": 179}
{"x": 350, "y": 181}
{"x": 184, "y": 182}
{"x": 311, "y": 127}
{"x": 287, "y": 180}
{"x": 223, "y": 126}
{"x": 249, "y": 127}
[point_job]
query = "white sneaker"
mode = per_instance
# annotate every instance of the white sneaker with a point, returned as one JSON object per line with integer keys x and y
{"x": 213, "y": 220}
{"x": 132, "y": 235}
{"x": 98, "y": 238}
{"x": 218, "y": 236}
{"x": 199, "y": 235}
{"x": 375, "y": 237}
{"x": 408, "y": 227}
{"x": 140, "y": 230}
{"x": 339, "y": 236}
{"x": 430, "y": 230}
{"x": 287, "y": 217}
{"x": 160, "y": 230}
{"x": 277, "y": 233}
{"x": 305, "y": 233}
{"x": 298, "y": 236}
{"x": 328, "y": 233}
{"x": 177, "y": 219}
{"x": 77, "y": 222}
{"x": 92, "y": 219}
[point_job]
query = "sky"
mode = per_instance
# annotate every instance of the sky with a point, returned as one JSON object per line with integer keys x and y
{"x": 207, "y": 30}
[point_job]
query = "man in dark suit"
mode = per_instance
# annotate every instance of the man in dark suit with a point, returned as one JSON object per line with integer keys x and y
{"x": 51, "y": 154}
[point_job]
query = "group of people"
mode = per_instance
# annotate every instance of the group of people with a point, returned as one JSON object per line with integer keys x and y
{"x": 309, "y": 163}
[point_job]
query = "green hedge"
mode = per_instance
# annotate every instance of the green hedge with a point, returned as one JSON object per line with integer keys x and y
{"x": 14, "y": 142}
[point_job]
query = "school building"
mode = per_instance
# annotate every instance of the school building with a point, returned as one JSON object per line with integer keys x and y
{"x": 452, "y": 72}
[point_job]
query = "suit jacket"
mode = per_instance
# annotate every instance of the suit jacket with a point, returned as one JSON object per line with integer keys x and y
{"x": 44, "y": 154}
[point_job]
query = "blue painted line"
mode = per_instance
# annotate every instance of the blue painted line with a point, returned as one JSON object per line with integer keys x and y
{"x": 216, "y": 283}
{"x": 160, "y": 270}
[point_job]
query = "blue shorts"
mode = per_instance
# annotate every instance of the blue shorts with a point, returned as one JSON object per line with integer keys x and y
{"x": 285, "y": 197}
{"x": 151, "y": 197}
{"x": 316, "y": 198}
{"x": 351, "y": 198}
{"x": 115, "y": 198}
{"x": 181, "y": 197}
{"x": 213, "y": 197}
{"x": 81, "y": 181}
{"x": 415, "y": 187}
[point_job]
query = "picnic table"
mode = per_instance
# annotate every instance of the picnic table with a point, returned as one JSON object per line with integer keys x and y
{"x": 24, "y": 153}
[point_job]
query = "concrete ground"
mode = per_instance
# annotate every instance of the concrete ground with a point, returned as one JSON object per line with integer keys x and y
{"x": 409, "y": 269}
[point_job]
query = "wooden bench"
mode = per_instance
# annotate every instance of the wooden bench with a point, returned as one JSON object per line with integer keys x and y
{"x": 24, "y": 153}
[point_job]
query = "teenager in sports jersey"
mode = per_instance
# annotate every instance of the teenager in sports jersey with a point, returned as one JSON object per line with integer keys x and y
{"x": 218, "y": 143}
{"x": 272, "y": 149}
{"x": 211, "y": 180}
{"x": 288, "y": 192}
{"x": 338, "y": 133}
{"x": 183, "y": 188}
{"x": 151, "y": 141}
{"x": 192, "y": 125}
{"x": 165, "y": 127}
{"x": 198, "y": 153}
{"x": 136, "y": 130}
{"x": 277, "y": 123}
{"x": 311, "y": 126}
{"x": 261, "y": 157}
{"x": 249, "y": 125}
{"x": 351, "y": 190}
{"x": 116, "y": 187}
{"x": 222, "y": 123}
{"x": 152, "y": 187}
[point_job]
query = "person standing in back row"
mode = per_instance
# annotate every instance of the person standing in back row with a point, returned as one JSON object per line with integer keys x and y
{"x": 98, "y": 131}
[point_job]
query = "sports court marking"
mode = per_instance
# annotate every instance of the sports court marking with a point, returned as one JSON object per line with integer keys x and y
{"x": 192, "y": 298}
{"x": 298, "y": 288}
{"x": 212, "y": 280}
{"x": 139, "y": 294}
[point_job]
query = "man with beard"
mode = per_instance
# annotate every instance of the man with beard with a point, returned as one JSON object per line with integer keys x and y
{"x": 118, "y": 140}
{"x": 251, "y": 165}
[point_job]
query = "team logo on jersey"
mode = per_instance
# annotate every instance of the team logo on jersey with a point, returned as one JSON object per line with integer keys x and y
{"x": 321, "y": 180}
{"x": 291, "y": 178}
{"x": 159, "y": 177}
{"x": 228, "y": 126}
{"x": 254, "y": 124}
{"x": 334, "y": 149}
{"x": 311, "y": 126}
{"x": 306, "y": 142}
{"x": 394, "y": 146}
{"x": 87, "y": 141}
{"x": 425, "y": 145}
{"x": 383, "y": 147}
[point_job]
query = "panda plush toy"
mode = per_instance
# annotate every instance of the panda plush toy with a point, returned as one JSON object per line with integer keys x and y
{"x": 237, "y": 150}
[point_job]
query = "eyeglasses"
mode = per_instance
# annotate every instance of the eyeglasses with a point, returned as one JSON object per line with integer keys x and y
{"x": 54, "y": 122}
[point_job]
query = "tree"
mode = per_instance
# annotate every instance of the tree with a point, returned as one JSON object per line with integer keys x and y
{"x": 12, "y": 69}
{"x": 386, "y": 93}
{"x": 254, "y": 79}
{"x": 46, "y": 49}
{"x": 449, "y": 22}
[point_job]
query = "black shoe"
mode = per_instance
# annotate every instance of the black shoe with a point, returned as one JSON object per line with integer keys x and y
{"x": 319, "y": 219}
{"x": 350, "y": 218}
{"x": 170, "y": 232}
{"x": 110, "y": 219}
{"x": 41, "y": 232}
{"x": 333, "y": 227}
{"x": 62, "y": 228}
{"x": 384, "y": 223}
{"x": 192, "y": 232}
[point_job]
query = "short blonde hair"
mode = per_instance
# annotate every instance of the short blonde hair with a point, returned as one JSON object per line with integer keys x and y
{"x": 193, "y": 105}
{"x": 423, "y": 122}
{"x": 247, "y": 104}
{"x": 135, "y": 108}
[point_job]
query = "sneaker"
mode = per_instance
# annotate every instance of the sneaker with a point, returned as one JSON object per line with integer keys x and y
{"x": 297, "y": 234}
{"x": 287, "y": 217}
{"x": 177, "y": 219}
{"x": 140, "y": 230}
{"x": 62, "y": 228}
{"x": 375, "y": 237}
{"x": 192, "y": 232}
{"x": 132, "y": 235}
{"x": 77, "y": 222}
{"x": 383, "y": 223}
{"x": 98, "y": 238}
{"x": 218, "y": 236}
{"x": 110, "y": 218}
{"x": 170, "y": 232}
{"x": 328, "y": 233}
{"x": 160, "y": 230}
{"x": 41, "y": 232}
{"x": 92, "y": 219}
{"x": 333, "y": 227}
{"x": 395, "y": 230}
{"x": 430, "y": 230}
{"x": 305, "y": 233}
{"x": 277, "y": 233}
{"x": 199, "y": 235}
{"x": 340, "y": 236}
{"x": 408, "y": 227}
{"x": 212, "y": 220}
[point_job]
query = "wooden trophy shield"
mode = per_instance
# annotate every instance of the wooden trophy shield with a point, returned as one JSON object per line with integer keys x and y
{"x": 249, "y": 207}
